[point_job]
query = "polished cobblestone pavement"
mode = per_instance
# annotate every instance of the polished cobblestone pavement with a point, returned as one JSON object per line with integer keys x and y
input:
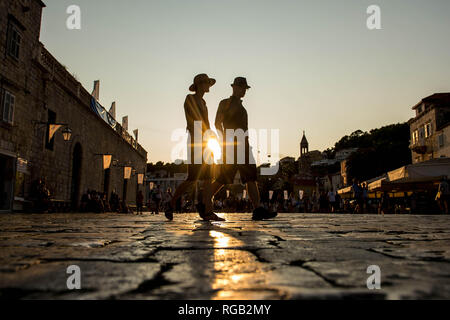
{"x": 296, "y": 256}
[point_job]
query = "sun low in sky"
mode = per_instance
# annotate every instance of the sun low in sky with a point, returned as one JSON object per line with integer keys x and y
{"x": 312, "y": 65}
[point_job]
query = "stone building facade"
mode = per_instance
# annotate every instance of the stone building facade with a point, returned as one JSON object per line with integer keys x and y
{"x": 36, "y": 90}
{"x": 430, "y": 128}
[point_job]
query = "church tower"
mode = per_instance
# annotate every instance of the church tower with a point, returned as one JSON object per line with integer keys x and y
{"x": 304, "y": 145}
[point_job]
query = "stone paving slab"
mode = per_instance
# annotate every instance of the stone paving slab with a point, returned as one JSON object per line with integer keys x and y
{"x": 296, "y": 256}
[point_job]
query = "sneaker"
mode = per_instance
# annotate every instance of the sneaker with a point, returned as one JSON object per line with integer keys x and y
{"x": 263, "y": 214}
{"x": 169, "y": 213}
{"x": 212, "y": 217}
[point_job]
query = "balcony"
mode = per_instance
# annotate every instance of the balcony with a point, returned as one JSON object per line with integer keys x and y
{"x": 423, "y": 146}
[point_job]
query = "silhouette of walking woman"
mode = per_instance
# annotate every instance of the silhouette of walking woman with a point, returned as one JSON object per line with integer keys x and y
{"x": 196, "y": 111}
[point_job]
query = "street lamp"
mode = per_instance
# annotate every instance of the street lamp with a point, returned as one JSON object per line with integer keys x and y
{"x": 67, "y": 134}
{"x": 54, "y": 127}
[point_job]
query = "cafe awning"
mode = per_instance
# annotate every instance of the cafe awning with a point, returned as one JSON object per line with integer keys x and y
{"x": 345, "y": 190}
{"x": 429, "y": 170}
{"x": 420, "y": 176}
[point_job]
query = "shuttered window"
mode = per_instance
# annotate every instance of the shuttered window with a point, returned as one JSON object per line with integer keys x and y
{"x": 8, "y": 107}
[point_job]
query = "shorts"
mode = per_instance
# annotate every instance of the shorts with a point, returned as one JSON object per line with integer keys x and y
{"x": 248, "y": 173}
{"x": 247, "y": 170}
{"x": 198, "y": 171}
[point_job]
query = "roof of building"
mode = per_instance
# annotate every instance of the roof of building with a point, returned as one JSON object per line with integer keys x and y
{"x": 435, "y": 98}
{"x": 304, "y": 140}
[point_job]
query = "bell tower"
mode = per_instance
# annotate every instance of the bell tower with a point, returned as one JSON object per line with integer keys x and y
{"x": 304, "y": 145}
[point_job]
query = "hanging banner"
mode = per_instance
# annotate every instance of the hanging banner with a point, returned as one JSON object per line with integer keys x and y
{"x": 107, "y": 158}
{"x": 228, "y": 193}
{"x": 244, "y": 195}
{"x": 127, "y": 173}
{"x": 152, "y": 185}
{"x": 301, "y": 193}
{"x": 270, "y": 195}
{"x": 140, "y": 178}
{"x": 52, "y": 128}
{"x": 286, "y": 195}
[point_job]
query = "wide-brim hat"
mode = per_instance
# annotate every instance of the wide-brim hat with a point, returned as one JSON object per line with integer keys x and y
{"x": 201, "y": 78}
{"x": 241, "y": 82}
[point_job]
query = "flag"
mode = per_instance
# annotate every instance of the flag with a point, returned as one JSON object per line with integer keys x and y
{"x": 107, "y": 158}
{"x": 96, "y": 91}
{"x": 270, "y": 194}
{"x": 98, "y": 109}
{"x": 286, "y": 195}
{"x": 136, "y": 133}
{"x": 125, "y": 123}
{"x": 52, "y": 128}
{"x": 140, "y": 178}
{"x": 127, "y": 173}
{"x": 112, "y": 111}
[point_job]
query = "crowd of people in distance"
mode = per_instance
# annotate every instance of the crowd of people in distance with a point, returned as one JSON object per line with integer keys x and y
{"x": 97, "y": 202}
{"x": 322, "y": 202}
{"x": 158, "y": 200}
{"x": 319, "y": 202}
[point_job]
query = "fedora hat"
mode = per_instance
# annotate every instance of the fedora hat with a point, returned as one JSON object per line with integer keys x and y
{"x": 241, "y": 82}
{"x": 201, "y": 78}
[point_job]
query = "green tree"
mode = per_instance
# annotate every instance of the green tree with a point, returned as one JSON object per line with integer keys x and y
{"x": 381, "y": 150}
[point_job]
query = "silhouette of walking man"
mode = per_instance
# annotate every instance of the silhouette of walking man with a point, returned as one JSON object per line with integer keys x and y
{"x": 232, "y": 115}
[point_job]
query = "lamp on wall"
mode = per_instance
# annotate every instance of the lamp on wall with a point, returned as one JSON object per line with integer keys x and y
{"x": 67, "y": 133}
{"x": 54, "y": 127}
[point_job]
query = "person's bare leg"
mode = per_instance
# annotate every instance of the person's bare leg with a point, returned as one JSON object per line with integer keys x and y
{"x": 180, "y": 191}
{"x": 207, "y": 196}
{"x": 214, "y": 188}
{"x": 210, "y": 190}
{"x": 253, "y": 192}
